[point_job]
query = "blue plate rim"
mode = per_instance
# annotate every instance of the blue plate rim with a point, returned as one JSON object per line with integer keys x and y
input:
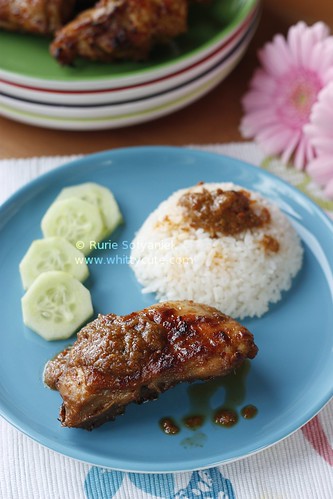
{"x": 135, "y": 466}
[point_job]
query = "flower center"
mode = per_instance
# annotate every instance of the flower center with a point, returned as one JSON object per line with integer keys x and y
{"x": 296, "y": 93}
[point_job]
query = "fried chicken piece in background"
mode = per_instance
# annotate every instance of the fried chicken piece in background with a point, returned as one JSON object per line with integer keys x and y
{"x": 120, "y": 29}
{"x": 42, "y": 17}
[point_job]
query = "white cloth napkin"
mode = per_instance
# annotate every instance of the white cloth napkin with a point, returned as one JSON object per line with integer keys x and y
{"x": 299, "y": 467}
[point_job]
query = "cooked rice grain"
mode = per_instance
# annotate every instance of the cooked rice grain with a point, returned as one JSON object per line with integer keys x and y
{"x": 232, "y": 273}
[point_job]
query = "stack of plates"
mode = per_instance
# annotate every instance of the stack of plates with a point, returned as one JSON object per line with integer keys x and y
{"x": 34, "y": 89}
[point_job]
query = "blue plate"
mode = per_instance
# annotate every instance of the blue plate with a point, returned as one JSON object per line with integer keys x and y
{"x": 290, "y": 379}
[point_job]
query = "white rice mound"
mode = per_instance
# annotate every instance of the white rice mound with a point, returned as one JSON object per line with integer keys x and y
{"x": 232, "y": 273}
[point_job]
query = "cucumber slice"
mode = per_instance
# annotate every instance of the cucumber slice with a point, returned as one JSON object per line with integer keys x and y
{"x": 52, "y": 253}
{"x": 75, "y": 220}
{"x": 99, "y": 196}
{"x": 56, "y": 305}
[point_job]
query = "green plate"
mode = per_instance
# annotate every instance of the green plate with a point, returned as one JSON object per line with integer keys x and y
{"x": 25, "y": 59}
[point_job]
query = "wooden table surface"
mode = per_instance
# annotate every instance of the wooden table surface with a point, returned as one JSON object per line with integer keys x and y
{"x": 213, "y": 119}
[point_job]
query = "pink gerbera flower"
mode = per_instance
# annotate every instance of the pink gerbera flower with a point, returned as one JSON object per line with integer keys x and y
{"x": 283, "y": 91}
{"x": 320, "y": 133}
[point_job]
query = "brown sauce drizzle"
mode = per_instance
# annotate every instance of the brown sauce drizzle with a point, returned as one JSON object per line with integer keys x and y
{"x": 222, "y": 212}
{"x": 194, "y": 422}
{"x": 249, "y": 411}
{"x": 270, "y": 244}
{"x": 169, "y": 426}
{"x": 225, "y": 417}
{"x": 201, "y": 397}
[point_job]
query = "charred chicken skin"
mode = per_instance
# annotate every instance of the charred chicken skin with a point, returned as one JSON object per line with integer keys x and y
{"x": 117, "y": 360}
{"x": 41, "y": 17}
{"x": 120, "y": 29}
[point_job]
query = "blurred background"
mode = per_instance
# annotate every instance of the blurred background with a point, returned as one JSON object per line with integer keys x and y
{"x": 213, "y": 119}
{"x": 290, "y": 11}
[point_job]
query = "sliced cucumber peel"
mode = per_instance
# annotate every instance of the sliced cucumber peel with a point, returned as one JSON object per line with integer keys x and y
{"x": 56, "y": 305}
{"x": 52, "y": 253}
{"x": 76, "y": 221}
{"x": 99, "y": 196}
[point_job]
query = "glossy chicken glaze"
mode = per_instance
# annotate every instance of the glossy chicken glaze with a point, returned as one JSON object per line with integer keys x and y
{"x": 121, "y": 359}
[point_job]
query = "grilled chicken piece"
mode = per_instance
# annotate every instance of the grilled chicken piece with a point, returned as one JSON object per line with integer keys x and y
{"x": 121, "y": 359}
{"x": 120, "y": 29}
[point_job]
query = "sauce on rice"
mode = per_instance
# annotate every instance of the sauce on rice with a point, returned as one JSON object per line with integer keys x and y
{"x": 223, "y": 212}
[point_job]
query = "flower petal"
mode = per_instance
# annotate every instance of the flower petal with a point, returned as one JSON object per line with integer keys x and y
{"x": 254, "y": 101}
{"x": 281, "y": 45}
{"x": 306, "y": 44}
{"x": 274, "y": 139}
{"x": 321, "y": 169}
{"x": 290, "y": 148}
{"x": 263, "y": 82}
{"x": 300, "y": 154}
{"x": 324, "y": 60}
{"x": 310, "y": 152}
{"x": 253, "y": 123}
{"x": 320, "y": 129}
{"x": 277, "y": 107}
{"x": 320, "y": 31}
{"x": 273, "y": 60}
{"x": 329, "y": 189}
{"x": 323, "y": 144}
{"x": 294, "y": 35}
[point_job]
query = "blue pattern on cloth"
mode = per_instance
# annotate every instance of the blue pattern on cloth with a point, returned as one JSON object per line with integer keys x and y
{"x": 207, "y": 484}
